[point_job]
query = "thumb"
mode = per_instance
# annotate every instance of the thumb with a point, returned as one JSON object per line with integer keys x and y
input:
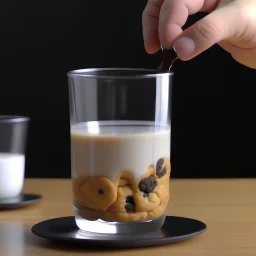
{"x": 215, "y": 27}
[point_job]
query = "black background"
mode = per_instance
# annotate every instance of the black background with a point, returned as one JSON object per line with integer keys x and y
{"x": 213, "y": 130}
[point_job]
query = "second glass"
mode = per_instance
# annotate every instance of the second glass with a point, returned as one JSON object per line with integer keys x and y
{"x": 120, "y": 149}
{"x": 13, "y": 142}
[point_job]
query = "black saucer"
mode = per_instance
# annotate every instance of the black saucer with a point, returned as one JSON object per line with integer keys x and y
{"x": 19, "y": 201}
{"x": 65, "y": 230}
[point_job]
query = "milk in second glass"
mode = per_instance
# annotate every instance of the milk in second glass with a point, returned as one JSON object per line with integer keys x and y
{"x": 11, "y": 174}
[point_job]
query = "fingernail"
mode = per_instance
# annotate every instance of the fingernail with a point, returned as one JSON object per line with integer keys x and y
{"x": 184, "y": 47}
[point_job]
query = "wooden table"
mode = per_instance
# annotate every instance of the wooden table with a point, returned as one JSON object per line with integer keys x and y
{"x": 228, "y": 207}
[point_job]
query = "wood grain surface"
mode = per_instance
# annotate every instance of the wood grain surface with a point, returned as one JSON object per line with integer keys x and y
{"x": 227, "y": 206}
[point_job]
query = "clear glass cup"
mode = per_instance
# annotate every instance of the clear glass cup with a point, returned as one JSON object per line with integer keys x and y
{"x": 120, "y": 125}
{"x": 13, "y": 138}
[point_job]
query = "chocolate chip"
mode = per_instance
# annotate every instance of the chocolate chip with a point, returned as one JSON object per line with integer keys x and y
{"x": 148, "y": 185}
{"x": 130, "y": 205}
{"x": 129, "y": 208}
{"x": 145, "y": 195}
{"x": 159, "y": 164}
{"x": 129, "y": 199}
{"x": 142, "y": 186}
{"x": 101, "y": 191}
{"x": 161, "y": 173}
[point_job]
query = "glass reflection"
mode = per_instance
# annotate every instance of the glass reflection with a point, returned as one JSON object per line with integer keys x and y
{"x": 12, "y": 239}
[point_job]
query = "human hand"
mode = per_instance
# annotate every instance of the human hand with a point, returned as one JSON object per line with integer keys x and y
{"x": 230, "y": 23}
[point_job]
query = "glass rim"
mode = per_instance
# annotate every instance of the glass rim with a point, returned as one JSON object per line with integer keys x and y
{"x": 145, "y": 73}
{"x": 13, "y": 119}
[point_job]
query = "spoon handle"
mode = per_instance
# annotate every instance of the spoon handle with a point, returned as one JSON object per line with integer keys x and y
{"x": 169, "y": 57}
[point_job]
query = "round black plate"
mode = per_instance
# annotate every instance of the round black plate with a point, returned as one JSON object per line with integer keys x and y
{"x": 20, "y": 201}
{"x": 65, "y": 230}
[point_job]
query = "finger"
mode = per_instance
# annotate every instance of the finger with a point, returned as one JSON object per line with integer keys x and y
{"x": 150, "y": 19}
{"x": 243, "y": 56}
{"x": 223, "y": 23}
{"x": 174, "y": 14}
{"x": 227, "y": 46}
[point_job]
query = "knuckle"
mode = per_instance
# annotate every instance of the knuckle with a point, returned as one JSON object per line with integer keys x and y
{"x": 152, "y": 8}
{"x": 247, "y": 18}
{"x": 151, "y": 12}
{"x": 146, "y": 17}
{"x": 156, "y": 3}
{"x": 206, "y": 30}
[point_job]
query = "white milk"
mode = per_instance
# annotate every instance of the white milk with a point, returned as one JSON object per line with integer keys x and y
{"x": 11, "y": 174}
{"x": 106, "y": 148}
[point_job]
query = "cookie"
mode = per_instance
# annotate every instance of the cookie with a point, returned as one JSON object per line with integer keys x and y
{"x": 148, "y": 185}
{"x": 125, "y": 178}
{"x": 122, "y": 216}
{"x": 123, "y": 182}
{"x": 126, "y": 199}
{"x": 144, "y": 204}
{"x": 162, "y": 192}
{"x": 150, "y": 172}
{"x": 123, "y": 193}
{"x": 129, "y": 204}
{"x": 163, "y": 171}
{"x": 160, "y": 168}
{"x": 97, "y": 193}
